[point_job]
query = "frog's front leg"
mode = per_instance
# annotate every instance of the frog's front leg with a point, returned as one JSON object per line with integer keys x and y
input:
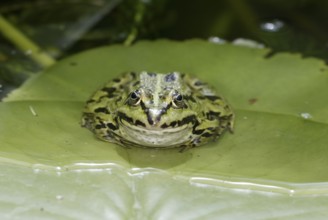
{"x": 103, "y": 125}
{"x": 201, "y": 134}
{"x": 206, "y": 131}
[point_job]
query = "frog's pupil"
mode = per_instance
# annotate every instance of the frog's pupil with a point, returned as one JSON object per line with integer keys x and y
{"x": 134, "y": 95}
{"x": 178, "y": 98}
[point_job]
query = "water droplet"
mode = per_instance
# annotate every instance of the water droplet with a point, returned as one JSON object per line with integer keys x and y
{"x": 247, "y": 43}
{"x": 272, "y": 26}
{"x": 36, "y": 170}
{"x": 217, "y": 40}
{"x": 59, "y": 197}
{"x": 306, "y": 115}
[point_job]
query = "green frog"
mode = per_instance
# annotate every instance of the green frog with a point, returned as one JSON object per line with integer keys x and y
{"x": 156, "y": 110}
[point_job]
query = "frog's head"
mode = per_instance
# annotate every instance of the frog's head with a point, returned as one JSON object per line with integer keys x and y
{"x": 155, "y": 105}
{"x": 158, "y": 105}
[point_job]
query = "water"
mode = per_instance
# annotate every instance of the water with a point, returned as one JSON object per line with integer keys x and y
{"x": 201, "y": 180}
{"x": 110, "y": 191}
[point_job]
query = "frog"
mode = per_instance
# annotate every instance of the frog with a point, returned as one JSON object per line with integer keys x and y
{"x": 157, "y": 110}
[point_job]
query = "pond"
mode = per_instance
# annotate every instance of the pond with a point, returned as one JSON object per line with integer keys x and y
{"x": 273, "y": 165}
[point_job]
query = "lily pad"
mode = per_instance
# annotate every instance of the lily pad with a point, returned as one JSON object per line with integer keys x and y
{"x": 279, "y": 144}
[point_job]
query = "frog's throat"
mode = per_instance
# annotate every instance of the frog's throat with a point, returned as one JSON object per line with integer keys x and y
{"x": 156, "y": 138}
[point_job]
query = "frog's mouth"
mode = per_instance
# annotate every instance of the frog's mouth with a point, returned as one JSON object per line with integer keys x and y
{"x": 147, "y": 137}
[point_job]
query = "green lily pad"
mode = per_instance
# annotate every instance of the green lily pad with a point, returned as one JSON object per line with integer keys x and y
{"x": 279, "y": 144}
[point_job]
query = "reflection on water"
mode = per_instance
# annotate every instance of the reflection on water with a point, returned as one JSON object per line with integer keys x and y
{"x": 193, "y": 179}
{"x": 293, "y": 189}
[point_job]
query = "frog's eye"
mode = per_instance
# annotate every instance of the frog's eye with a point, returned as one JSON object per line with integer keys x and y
{"x": 134, "y": 98}
{"x": 134, "y": 95}
{"x": 178, "y": 98}
{"x": 177, "y": 101}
